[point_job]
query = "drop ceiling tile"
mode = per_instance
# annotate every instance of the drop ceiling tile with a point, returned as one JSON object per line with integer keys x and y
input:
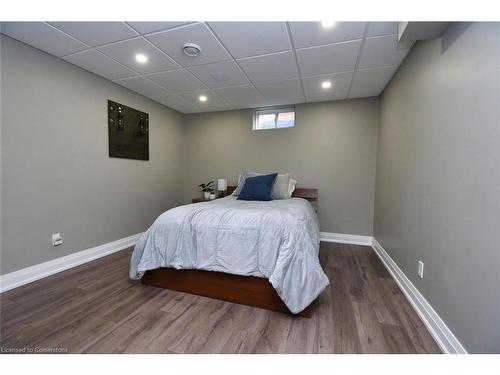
{"x": 242, "y": 96}
{"x": 244, "y": 39}
{"x": 171, "y": 42}
{"x": 143, "y": 86}
{"x": 371, "y": 82}
{"x": 339, "y": 90}
{"x": 382, "y": 28}
{"x": 381, "y": 51}
{"x": 96, "y": 33}
{"x": 282, "y": 92}
{"x": 43, "y": 36}
{"x": 213, "y": 100}
{"x": 333, "y": 58}
{"x": 179, "y": 80}
{"x": 218, "y": 107}
{"x": 274, "y": 74}
{"x": 221, "y": 74}
{"x": 150, "y": 27}
{"x": 277, "y": 66}
{"x": 308, "y": 34}
{"x": 124, "y": 52}
{"x": 175, "y": 102}
{"x": 100, "y": 64}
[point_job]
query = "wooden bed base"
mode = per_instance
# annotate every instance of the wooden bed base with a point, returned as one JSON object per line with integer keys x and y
{"x": 245, "y": 290}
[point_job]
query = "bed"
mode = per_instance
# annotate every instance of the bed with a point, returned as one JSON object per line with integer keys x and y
{"x": 263, "y": 254}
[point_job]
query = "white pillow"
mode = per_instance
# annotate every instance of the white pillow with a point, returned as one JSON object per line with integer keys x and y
{"x": 280, "y": 187}
{"x": 291, "y": 187}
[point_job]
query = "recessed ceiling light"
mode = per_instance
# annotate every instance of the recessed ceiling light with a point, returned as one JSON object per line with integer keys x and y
{"x": 326, "y": 85}
{"x": 191, "y": 49}
{"x": 327, "y": 24}
{"x": 202, "y": 98}
{"x": 141, "y": 58}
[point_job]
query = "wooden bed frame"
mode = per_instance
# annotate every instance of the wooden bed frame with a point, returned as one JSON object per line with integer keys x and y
{"x": 245, "y": 290}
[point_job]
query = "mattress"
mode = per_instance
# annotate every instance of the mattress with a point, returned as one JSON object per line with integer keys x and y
{"x": 277, "y": 240}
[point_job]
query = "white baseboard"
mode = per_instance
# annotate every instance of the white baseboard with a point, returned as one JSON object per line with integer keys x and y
{"x": 345, "y": 238}
{"x": 39, "y": 271}
{"x": 439, "y": 330}
{"x": 436, "y": 326}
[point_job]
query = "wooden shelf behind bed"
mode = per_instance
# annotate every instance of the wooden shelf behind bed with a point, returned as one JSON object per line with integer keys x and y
{"x": 311, "y": 194}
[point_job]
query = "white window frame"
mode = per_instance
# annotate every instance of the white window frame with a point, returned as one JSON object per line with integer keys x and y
{"x": 269, "y": 110}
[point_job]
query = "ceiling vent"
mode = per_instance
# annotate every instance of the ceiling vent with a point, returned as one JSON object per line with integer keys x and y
{"x": 191, "y": 49}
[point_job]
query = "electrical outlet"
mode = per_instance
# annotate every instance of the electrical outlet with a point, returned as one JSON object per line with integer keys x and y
{"x": 420, "y": 269}
{"x": 56, "y": 239}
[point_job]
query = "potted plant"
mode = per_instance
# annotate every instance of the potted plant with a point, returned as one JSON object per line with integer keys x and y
{"x": 207, "y": 189}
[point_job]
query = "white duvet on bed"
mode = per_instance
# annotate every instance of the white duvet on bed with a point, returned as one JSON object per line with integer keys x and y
{"x": 278, "y": 240}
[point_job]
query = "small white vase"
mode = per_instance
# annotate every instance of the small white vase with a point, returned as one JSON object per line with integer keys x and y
{"x": 212, "y": 196}
{"x": 206, "y": 195}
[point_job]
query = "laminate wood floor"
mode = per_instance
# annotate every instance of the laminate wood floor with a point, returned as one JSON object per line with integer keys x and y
{"x": 95, "y": 308}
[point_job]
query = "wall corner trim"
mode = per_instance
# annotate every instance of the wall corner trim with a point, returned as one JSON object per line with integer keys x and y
{"x": 39, "y": 271}
{"x": 444, "y": 337}
{"x": 353, "y": 239}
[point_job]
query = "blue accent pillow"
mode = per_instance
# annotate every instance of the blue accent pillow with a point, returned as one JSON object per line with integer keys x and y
{"x": 258, "y": 188}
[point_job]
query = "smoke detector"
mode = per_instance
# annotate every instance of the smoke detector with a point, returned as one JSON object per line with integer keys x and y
{"x": 191, "y": 49}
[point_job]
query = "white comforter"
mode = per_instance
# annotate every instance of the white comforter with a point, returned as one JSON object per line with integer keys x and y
{"x": 278, "y": 240}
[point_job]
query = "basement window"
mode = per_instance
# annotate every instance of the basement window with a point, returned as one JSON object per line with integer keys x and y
{"x": 274, "y": 118}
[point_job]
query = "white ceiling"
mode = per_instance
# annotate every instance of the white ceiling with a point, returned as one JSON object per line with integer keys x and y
{"x": 242, "y": 64}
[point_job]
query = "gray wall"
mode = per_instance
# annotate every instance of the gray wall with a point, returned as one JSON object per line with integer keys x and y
{"x": 332, "y": 147}
{"x": 438, "y": 178}
{"x": 56, "y": 173}
{"x": 57, "y": 176}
